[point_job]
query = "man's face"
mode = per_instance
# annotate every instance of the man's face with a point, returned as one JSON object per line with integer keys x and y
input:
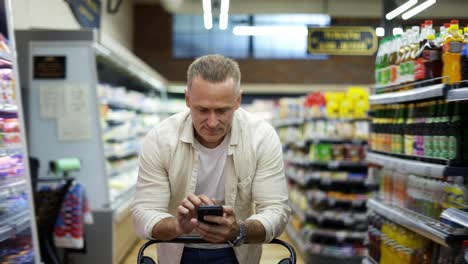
{"x": 212, "y": 106}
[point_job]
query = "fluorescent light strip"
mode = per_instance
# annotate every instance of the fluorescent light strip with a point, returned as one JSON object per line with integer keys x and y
{"x": 418, "y": 9}
{"x": 269, "y": 30}
{"x": 224, "y": 6}
{"x": 208, "y": 20}
{"x": 397, "y": 11}
{"x": 223, "y": 21}
{"x": 206, "y": 6}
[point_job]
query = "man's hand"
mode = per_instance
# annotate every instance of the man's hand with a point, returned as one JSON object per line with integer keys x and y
{"x": 187, "y": 213}
{"x": 226, "y": 230}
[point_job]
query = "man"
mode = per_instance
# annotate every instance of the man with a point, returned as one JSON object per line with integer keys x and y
{"x": 213, "y": 153}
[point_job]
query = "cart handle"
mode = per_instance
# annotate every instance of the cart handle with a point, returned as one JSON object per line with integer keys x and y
{"x": 197, "y": 240}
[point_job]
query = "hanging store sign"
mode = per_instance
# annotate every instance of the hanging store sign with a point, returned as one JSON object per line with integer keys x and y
{"x": 86, "y": 12}
{"x": 342, "y": 40}
{"x": 49, "y": 67}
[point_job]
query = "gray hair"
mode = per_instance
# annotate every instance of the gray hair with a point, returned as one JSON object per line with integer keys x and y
{"x": 214, "y": 68}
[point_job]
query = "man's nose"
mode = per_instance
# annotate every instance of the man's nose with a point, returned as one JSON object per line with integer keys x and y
{"x": 212, "y": 120}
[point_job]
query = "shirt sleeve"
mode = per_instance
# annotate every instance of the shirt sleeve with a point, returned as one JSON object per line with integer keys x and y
{"x": 269, "y": 187}
{"x": 150, "y": 204}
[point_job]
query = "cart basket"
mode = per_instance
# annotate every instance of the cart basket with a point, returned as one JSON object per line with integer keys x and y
{"x": 142, "y": 259}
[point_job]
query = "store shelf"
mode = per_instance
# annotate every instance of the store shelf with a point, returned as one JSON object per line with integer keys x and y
{"x": 6, "y": 56}
{"x": 334, "y": 164}
{"x": 369, "y": 260}
{"x": 287, "y": 122}
{"x": 420, "y": 224}
{"x": 325, "y": 218}
{"x": 428, "y": 92}
{"x": 14, "y": 187}
{"x": 457, "y": 94}
{"x": 336, "y": 141}
{"x": 332, "y": 184}
{"x": 338, "y": 235}
{"x": 299, "y": 243}
{"x": 415, "y": 167}
{"x": 14, "y": 225}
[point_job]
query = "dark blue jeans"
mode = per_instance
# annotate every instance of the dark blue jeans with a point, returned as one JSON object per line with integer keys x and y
{"x": 208, "y": 256}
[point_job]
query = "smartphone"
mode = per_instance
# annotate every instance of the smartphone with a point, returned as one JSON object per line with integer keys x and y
{"x": 203, "y": 210}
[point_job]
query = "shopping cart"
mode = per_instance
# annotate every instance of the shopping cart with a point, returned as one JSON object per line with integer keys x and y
{"x": 142, "y": 259}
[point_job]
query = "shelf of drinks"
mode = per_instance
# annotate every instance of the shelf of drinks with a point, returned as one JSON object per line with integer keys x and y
{"x": 14, "y": 225}
{"x": 424, "y": 226}
{"x": 413, "y": 166}
{"x": 304, "y": 143}
{"x": 427, "y": 92}
{"x": 455, "y": 92}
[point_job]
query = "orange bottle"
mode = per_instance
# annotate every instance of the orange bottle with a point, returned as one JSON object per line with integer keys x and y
{"x": 452, "y": 48}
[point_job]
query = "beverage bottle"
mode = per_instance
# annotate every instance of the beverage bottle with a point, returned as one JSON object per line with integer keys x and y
{"x": 443, "y": 133}
{"x": 409, "y": 136}
{"x": 378, "y": 63}
{"x": 428, "y": 129}
{"x": 452, "y": 49}
{"x": 414, "y": 52}
{"x": 432, "y": 58}
{"x": 464, "y": 56}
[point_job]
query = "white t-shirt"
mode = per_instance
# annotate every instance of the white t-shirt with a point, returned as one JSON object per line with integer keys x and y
{"x": 211, "y": 172}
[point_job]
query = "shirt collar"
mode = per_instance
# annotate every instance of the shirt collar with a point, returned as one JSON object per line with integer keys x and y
{"x": 188, "y": 135}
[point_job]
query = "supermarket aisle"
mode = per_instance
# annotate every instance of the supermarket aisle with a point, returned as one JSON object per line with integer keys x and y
{"x": 271, "y": 253}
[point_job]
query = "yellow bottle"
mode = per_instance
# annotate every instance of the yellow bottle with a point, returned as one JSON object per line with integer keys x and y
{"x": 452, "y": 48}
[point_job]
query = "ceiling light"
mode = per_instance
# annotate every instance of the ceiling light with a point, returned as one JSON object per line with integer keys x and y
{"x": 380, "y": 32}
{"x": 400, "y": 9}
{"x": 208, "y": 20}
{"x": 418, "y": 9}
{"x": 269, "y": 30}
{"x": 223, "y": 21}
{"x": 397, "y": 31}
{"x": 224, "y": 6}
{"x": 206, "y": 6}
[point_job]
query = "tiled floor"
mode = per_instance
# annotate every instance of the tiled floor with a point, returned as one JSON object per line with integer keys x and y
{"x": 271, "y": 253}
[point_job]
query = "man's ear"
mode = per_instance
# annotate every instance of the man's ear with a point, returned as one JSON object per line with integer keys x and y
{"x": 187, "y": 97}
{"x": 239, "y": 100}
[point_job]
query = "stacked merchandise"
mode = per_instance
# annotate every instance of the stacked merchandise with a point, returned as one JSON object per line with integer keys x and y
{"x": 422, "y": 55}
{"x": 16, "y": 239}
{"x": 325, "y": 137}
{"x": 418, "y": 146}
{"x": 126, "y": 117}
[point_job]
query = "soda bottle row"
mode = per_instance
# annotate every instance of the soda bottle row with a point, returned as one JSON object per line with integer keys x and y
{"x": 422, "y": 195}
{"x": 421, "y": 54}
{"x": 391, "y": 243}
{"x": 431, "y": 129}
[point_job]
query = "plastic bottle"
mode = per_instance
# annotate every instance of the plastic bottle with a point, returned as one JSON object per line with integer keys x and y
{"x": 432, "y": 58}
{"x": 464, "y": 56}
{"x": 452, "y": 50}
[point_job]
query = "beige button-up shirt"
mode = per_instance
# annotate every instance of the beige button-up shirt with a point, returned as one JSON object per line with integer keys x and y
{"x": 255, "y": 185}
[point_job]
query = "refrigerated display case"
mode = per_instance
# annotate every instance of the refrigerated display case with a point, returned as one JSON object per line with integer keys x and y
{"x": 18, "y": 235}
{"x": 90, "y": 98}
